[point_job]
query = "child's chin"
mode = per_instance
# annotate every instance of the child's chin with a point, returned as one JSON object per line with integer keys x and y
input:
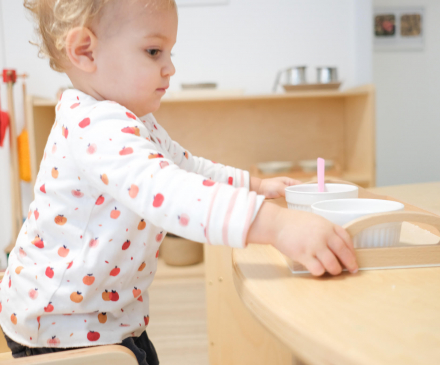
{"x": 144, "y": 111}
{"x": 152, "y": 107}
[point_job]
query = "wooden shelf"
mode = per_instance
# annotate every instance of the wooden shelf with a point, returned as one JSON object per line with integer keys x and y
{"x": 165, "y": 271}
{"x": 363, "y": 90}
{"x": 36, "y": 101}
{"x": 336, "y": 125}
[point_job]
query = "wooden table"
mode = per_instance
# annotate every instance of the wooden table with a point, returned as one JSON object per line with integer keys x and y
{"x": 374, "y": 317}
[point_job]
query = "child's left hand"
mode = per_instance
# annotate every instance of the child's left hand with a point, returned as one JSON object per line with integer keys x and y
{"x": 272, "y": 188}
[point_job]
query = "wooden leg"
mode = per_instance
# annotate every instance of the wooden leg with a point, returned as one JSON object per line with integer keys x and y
{"x": 235, "y": 336}
{"x": 17, "y": 215}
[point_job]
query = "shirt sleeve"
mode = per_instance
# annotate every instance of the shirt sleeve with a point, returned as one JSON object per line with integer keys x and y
{"x": 185, "y": 160}
{"x": 119, "y": 157}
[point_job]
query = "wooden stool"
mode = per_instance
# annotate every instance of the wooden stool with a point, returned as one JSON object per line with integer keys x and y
{"x": 97, "y": 355}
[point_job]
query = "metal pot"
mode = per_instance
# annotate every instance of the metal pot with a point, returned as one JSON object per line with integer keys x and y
{"x": 296, "y": 75}
{"x": 293, "y": 75}
{"x": 327, "y": 75}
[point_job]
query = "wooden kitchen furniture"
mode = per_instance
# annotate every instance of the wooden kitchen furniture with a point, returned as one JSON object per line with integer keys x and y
{"x": 241, "y": 131}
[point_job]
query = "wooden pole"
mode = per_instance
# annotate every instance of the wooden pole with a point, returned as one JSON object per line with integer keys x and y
{"x": 17, "y": 214}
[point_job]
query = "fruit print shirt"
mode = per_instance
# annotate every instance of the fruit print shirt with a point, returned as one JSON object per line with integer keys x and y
{"x": 109, "y": 187}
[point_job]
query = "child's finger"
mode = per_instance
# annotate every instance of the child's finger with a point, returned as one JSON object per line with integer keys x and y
{"x": 289, "y": 182}
{"x": 280, "y": 190}
{"x": 314, "y": 266}
{"x": 343, "y": 253}
{"x": 341, "y": 232}
{"x": 329, "y": 261}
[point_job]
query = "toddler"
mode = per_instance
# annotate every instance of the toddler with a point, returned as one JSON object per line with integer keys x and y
{"x": 112, "y": 183}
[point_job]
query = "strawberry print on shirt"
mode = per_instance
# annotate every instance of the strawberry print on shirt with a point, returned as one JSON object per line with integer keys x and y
{"x": 110, "y": 186}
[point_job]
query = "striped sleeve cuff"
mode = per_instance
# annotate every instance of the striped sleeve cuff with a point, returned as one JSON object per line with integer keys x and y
{"x": 238, "y": 178}
{"x": 231, "y": 213}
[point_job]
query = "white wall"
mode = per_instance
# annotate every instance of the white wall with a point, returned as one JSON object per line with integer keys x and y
{"x": 245, "y": 43}
{"x": 408, "y": 108}
{"x": 239, "y": 45}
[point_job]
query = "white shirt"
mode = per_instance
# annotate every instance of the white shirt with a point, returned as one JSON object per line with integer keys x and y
{"x": 110, "y": 186}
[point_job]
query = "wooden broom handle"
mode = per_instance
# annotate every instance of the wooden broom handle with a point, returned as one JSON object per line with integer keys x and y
{"x": 358, "y": 225}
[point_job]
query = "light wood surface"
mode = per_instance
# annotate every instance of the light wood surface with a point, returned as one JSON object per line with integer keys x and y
{"x": 276, "y": 127}
{"x": 40, "y": 122}
{"x": 16, "y": 209}
{"x": 100, "y": 355}
{"x": 167, "y": 272}
{"x": 358, "y": 225}
{"x": 178, "y": 251}
{"x": 235, "y": 336}
{"x": 356, "y": 91}
{"x": 243, "y": 131}
{"x": 360, "y": 137}
{"x": 32, "y": 139}
{"x": 307, "y": 87}
{"x": 373, "y": 317}
{"x": 425, "y": 195}
{"x": 178, "y": 320}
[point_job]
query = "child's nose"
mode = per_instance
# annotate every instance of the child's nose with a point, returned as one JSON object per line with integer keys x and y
{"x": 168, "y": 70}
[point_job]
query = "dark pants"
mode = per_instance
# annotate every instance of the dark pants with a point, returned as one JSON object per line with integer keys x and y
{"x": 141, "y": 346}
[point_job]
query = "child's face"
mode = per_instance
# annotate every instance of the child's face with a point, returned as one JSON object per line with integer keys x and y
{"x": 133, "y": 54}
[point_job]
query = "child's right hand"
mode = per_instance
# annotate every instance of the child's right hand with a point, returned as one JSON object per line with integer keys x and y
{"x": 306, "y": 238}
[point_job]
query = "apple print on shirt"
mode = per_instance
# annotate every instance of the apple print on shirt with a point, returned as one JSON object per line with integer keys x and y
{"x": 110, "y": 186}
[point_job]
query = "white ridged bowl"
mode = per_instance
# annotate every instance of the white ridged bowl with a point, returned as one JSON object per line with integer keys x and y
{"x": 301, "y": 197}
{"x": 342, "y": 211}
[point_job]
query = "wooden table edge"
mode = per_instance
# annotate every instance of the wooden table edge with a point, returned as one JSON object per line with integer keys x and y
{"x": 300, "y": 344}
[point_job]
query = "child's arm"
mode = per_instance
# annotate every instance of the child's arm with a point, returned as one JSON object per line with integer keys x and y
{"x": 272, "y": 188}
{"x": 304, "y": 237}
{"x": 120, "y": 158}
{"x": 199, "y": 165}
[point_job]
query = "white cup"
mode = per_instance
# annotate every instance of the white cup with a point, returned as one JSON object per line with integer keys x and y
{"x": 301, "y": 197}
{"x": 343, "y": 211}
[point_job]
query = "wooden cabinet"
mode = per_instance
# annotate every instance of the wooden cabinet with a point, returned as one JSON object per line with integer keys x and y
{"x": 241, "y": 131}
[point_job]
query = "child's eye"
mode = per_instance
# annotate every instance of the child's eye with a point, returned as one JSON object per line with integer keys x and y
{"x": 153, "y": 52}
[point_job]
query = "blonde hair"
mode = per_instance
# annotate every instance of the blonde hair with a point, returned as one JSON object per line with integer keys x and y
{"x": 55, "y": 18}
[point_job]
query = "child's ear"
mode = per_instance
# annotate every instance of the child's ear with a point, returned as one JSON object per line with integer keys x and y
{"x": 80, "y": 46}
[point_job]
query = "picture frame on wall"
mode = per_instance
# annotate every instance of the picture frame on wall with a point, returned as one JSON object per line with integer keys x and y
{"x": 398, "y": 28}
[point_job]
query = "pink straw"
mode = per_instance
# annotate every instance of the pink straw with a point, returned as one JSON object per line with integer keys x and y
{"x": 321, "y": 174}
